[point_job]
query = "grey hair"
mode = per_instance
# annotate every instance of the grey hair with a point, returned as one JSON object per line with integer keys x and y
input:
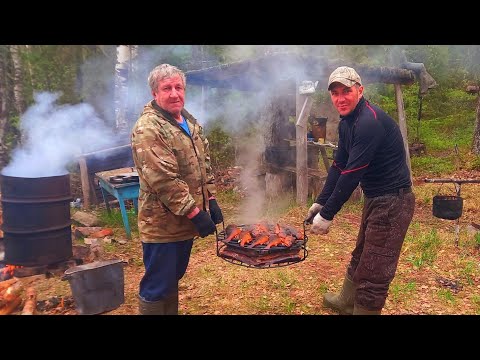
{"x": 164, "y": 71}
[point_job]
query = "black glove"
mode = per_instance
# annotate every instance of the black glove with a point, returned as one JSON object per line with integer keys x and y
{"x": 203, "y": 223}
{"x": 215, "y": 211}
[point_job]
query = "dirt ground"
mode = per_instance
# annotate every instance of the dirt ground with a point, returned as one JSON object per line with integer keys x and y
{"x": 447, "y": 282}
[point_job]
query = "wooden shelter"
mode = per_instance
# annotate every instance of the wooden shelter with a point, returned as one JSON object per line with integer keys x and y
{"x": 281, "y": 75}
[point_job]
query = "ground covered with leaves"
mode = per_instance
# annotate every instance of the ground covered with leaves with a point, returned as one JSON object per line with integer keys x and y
{"x": 434, "y": 274}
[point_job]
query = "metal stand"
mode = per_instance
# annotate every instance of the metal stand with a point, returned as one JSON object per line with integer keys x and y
{"x": 458, "y": 184}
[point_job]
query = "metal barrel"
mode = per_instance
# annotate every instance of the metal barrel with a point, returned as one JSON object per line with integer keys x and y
{"x": 36, "y": 219}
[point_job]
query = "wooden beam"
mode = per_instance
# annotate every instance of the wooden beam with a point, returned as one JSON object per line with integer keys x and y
{"x": 304, "y": 105}
{"x": 402, "y": 122}
{"x": 264, "y": 73}
{"x": 85, "y": 182}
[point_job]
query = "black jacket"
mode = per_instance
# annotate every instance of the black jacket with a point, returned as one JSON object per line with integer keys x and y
{"x": 370, "y": 152}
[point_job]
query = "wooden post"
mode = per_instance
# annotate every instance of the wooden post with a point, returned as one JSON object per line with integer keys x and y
{"x": 304, "y": 105}
{"x": 85, "y": 183}
{"x": 402, "y": 123}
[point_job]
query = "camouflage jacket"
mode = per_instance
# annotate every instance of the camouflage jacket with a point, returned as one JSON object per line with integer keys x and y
{"x": 174, "y": 173}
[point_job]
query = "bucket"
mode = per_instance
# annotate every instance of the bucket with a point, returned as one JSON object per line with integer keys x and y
{"x": 97, "y": 287}
{"x": 447, "y": 207}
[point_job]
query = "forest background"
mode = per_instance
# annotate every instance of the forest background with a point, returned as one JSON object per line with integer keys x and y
{"x": 108, "y": 84}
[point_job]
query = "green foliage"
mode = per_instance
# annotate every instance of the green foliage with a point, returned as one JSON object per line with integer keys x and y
{"x": 476, "y": 302}
{"x": 228, "y": 196}
{"x": 431, "y": 165}
{"x": 54, "y": 69}
{"x": 468, "y": 270}
{"x": 114, "y": 219}
{"x": 446, "y": 296}
{"x": 424, "y": 248}
{"x": 222, "y": 148}
{"x": 402, "y": 291}
{"x": 475, "y": 164}
{"x": 477, "y": 239}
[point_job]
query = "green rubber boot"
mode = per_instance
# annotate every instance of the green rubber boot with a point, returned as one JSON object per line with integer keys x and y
{"x": 167, "y": 306}
{"x": 358, "y": 310}
{"x": 342, "y": 301}
{"x": 151, "y": 307}
{"x": 171, "y": 307}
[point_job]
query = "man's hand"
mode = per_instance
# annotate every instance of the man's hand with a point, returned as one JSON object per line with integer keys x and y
{"x": 203, "y": 223}
{"x": 215, "y": 211}
{"x": 320, "y": 225}
{"x": 314, "y": 210}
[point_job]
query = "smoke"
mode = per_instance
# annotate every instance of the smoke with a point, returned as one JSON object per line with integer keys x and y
{"x": 55, "y": 135}
{"x": 242, "y": 114}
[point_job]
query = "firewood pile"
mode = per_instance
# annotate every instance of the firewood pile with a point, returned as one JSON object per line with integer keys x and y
{"x": 13, "y": 297}
{"x": 19, "y": 298}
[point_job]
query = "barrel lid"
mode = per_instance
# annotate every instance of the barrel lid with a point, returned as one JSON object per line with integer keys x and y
{"x": 92, "y": 265}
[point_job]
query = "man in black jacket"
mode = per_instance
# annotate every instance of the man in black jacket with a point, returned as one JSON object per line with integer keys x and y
{"x": 370, "y": 152}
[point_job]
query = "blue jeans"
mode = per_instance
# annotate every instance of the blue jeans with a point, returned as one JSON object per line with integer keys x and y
{"x": 165, "y": 264}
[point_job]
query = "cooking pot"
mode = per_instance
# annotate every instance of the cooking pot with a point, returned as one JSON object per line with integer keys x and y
{"x": 447, "y": 207}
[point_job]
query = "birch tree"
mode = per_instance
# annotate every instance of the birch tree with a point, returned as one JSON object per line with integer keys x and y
{"x": 3, "y": 106}
{"x": 122, "y": 68}
{"x": 18, "y": 92}
{"x": 476, "y": 134}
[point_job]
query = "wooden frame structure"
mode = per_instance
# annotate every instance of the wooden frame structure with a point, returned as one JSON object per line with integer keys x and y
{"x": 270, "y": 71}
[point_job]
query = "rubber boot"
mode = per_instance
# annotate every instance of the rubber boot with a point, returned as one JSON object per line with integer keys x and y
{"x": 171, "y": 304}
{"x": 359, "y": 310}
{"x": 158, "y": 307}
{"x": 342, "y": 301}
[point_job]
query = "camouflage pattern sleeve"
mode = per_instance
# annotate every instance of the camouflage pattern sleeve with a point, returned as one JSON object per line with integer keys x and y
{"x": 161, "y": 172}
{"x": 208, "y": 165}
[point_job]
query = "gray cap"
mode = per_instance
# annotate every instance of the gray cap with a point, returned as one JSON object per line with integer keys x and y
{"x": 345, "y": 75}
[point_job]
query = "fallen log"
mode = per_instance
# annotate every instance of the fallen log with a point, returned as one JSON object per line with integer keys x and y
{"x": 7, "y": 283}
{"x": 10, "y": 307}
{"x": 11, "y": 293}
{"x": 30, "y": 306}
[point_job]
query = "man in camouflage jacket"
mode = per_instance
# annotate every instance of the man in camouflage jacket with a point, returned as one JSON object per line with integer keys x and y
{"x": 177, "y": 191}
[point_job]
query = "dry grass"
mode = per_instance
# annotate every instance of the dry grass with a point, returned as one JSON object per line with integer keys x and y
{"x": 214, "y": 286}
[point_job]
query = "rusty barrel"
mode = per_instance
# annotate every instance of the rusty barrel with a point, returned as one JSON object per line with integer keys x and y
{"x": 36, "y": 219}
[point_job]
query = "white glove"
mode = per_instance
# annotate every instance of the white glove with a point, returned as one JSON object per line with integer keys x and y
{"x": 314, "y": 210}
{"x": 320, "y": 225}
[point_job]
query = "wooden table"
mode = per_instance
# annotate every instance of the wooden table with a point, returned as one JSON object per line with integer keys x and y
{"x": 122, "y": 192}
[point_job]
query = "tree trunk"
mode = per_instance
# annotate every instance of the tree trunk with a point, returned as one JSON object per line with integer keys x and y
{"x": 476, "y": 134}
{"x": 80, "y": 59}
{"x": 3, "y": 106}
{"x": 17, "y": 79}
{"x": 28, "y": 50}
{"x": 121, "y": 87}
{"x": 134, "y": 100}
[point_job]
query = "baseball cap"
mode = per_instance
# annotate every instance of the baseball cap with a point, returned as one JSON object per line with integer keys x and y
{"x": 345, "y": 75}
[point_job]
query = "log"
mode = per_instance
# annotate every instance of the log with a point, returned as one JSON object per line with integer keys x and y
{"x": 7, "y": 283}
{"x": 30, "y": 306}
{"x": 11, "y": 306}
{"x": 11, "y": 293}
{"x": 272, "y": 69}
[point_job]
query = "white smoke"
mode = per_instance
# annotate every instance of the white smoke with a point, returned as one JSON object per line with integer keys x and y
{"x": 55, "y": 135}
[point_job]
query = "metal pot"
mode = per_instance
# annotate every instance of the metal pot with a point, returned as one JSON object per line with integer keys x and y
{"x": 447, "y": 207}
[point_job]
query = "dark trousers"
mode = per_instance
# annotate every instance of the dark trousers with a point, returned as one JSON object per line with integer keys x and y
{"x": 385, "y": 220}
{"x": 165, "y": 264}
